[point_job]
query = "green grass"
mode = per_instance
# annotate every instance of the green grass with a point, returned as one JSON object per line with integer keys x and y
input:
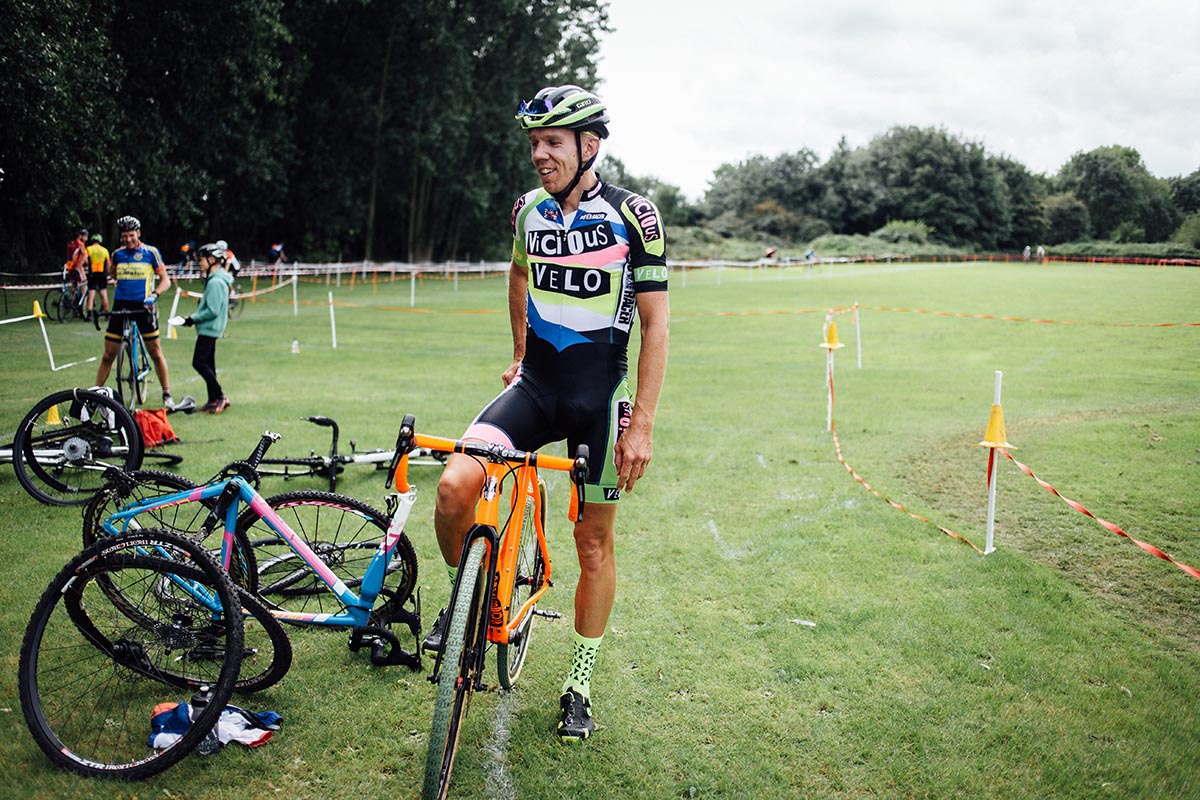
{"x": 1064, "y": 665}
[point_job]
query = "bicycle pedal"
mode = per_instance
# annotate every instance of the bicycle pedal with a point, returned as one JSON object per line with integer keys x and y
{"x": 537, "y": 612}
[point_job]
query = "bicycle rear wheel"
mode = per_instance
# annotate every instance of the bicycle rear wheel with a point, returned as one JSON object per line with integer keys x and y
{"x": 530, "y": 571}
{"x": 459, "y": 666}
{"x": 90, "y": 672}
{"x": 65, "y": 443}
{"x": 344, "y": 532}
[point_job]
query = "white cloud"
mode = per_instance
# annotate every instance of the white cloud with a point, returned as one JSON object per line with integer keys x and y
{"x": 692, "y": 85}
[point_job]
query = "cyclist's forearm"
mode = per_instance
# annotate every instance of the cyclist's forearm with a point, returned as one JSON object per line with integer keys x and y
{"x": 652, "y": 358}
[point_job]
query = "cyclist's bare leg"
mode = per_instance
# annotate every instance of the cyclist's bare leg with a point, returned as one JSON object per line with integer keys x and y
{"x": 106, "y": 360}
{"x": 154, "y": 350}
{"x": 594, "y": 543}
{"x": 457, "y": 495}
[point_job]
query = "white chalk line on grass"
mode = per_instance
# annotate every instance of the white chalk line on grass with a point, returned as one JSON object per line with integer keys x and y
{"x": 499, "y": 783}
{"x": 728, "y": 551}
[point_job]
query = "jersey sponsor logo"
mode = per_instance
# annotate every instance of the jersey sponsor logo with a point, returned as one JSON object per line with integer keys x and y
{"x": 517, "y": 206}
{"x": 550, "y": 212}
{"x": 656, "y": 272}
{"x": 612, "y": 494}
{"x": 595, "y": 215}
{"x": 647, "y": 217}
{"x": 552, "y": 244}
{"x": 574, "y": 281}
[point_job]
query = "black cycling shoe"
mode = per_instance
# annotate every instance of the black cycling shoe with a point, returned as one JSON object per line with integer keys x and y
{"x": 433, "y": 639}
{"x": 577, "y": 723}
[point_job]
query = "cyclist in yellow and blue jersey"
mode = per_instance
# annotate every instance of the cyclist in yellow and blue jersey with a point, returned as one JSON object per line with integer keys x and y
{"x": 589, "y": 259}
{"x": 141, "y": 279}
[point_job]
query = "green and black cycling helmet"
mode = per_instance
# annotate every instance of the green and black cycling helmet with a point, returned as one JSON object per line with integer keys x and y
{"x": 565, "y": 107}
{"x": 97, "y": 239}
{"x": 128, "y": 223}
{"x": 569, "y": 107}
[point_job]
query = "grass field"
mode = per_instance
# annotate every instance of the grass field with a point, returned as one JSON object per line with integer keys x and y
{"x": 779, "y": 630}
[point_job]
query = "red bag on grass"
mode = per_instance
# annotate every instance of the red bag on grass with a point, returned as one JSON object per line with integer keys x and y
{"x": 156, "y": 431}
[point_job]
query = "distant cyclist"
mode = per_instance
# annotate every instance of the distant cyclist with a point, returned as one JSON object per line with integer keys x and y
{"x": 75, "y": 270}
{"x": 100, "y": 264}
{"x": 137, "y": 267}
{"x": 588, "y": 258}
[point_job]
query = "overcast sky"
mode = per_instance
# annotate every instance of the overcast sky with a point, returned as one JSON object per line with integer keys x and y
{"x": 693, "y": 84}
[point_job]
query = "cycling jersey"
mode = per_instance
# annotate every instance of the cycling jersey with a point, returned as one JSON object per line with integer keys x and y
{"x": 585, "y": 270}
{"x": 97, "y": 254}
{"x": 135, "y": 271}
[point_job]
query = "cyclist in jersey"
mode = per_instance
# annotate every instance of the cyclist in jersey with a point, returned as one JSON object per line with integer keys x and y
{"x": 100, "y": 262}
{"x": 588, "y": 259}
{"x": 137, "y": 266}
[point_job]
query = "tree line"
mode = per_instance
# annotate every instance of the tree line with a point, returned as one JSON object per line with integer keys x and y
{"x": 346, "y": 129}
{"x": 369, "y": 129}
{"x": 947, "y": 188}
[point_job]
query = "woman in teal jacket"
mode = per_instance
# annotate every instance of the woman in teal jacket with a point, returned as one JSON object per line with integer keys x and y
{"x": 210, "y": 319}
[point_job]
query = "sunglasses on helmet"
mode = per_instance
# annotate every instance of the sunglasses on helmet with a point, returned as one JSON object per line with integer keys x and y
{"x": 534, "y": 108}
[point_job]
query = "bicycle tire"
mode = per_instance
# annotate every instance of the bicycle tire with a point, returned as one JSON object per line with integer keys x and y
{"x": 123, "y": 372}
{"x": 89, "y": 675}
{"x": 68, "y": 439}
{"x": 530, "y": 571}
{"x": 344, "y": 532}
{"x": 48, "y": 303}
{"x": 267, "y": 648}
{"x": 185, "y": 518}
{"x": 456, "y": 681}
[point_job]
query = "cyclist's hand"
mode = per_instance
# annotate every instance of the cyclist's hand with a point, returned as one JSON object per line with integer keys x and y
{"x": 188, "y": 322}
{"x": 632, "y": 455}
{"x": 151, "y": 299}
{"x": 510, "y": 374}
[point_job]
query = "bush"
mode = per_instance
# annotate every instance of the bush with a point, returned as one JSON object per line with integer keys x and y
{"x": 1106, "y": 249}
{"x": 904, "y": 230}
{"x": 1188, "y": 233}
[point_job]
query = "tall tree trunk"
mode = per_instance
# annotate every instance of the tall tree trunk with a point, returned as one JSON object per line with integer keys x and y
{"x": 377, "y": 147}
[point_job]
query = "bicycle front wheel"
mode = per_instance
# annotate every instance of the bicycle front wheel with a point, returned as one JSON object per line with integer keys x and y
{"x": 344, "y": 532}
{"x": 530, "y": 572}
{"x": 67, "y": 441}
{"x": 456, "y": 681}
{"x": 131, "y": 383}
{"x": 91, "y": 673}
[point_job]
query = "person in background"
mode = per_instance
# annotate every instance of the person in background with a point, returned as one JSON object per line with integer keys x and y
{"x": 1041, "y": 254}
{"x": 277, "y": 254}
{"x": 136, "y": 266}
{"x": 75, "y": 270}
{"x": 97, "y": 279}
{"x": 1025, "y": 254}
{"x": 232, "y": 265}
{"x": 209, "y": 320}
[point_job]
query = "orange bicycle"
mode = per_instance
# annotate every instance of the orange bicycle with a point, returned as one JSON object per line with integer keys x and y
{"x": 503, "y": 572}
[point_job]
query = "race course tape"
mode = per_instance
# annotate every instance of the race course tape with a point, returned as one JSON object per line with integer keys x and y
{"x": 961, "y": 315}
{"x": 838, "y": 447}
{"x": 1149, "y": 548}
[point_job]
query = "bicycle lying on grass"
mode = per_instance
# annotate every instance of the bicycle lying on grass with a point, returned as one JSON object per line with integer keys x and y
{"x": 503, "y": 572}
{"x": 127, "y": 622}
{"x": 332, "y": 465}
{"x": 63, "y": 446}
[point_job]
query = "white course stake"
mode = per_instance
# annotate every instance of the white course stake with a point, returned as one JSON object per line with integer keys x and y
{"x": 332, "y": 321}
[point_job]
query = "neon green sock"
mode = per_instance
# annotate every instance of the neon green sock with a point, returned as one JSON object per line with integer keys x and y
{"x": 582, "y": 662}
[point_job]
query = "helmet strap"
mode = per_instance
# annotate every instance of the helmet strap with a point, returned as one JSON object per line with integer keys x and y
{"x": 562, "y": 196}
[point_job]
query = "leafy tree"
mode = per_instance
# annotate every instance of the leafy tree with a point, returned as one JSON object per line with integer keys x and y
{"x": 1185, "y": 192}
{"x": 931, "y": 176}
{"x": 852, "y": 194}
{"x": 1027, "y": 193}
{"x": 1189, "y": 231}
{"x": 1117, "y": 188}
{"x": 1066, "y": 218}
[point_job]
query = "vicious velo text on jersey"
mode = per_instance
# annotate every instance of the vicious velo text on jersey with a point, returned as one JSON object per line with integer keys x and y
{"x": 584, "y": 273}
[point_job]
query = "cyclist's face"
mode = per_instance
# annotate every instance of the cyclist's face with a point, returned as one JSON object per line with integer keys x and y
{"x": 131, "y": 239}
{"x": 555, "y": 156}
